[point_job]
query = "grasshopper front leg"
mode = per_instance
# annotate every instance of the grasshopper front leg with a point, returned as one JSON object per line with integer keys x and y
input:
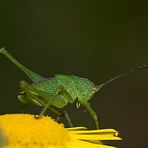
{"x": 37, "y": 99}
{"x": 92, "y": 113}
{"x": 61, "y": 93}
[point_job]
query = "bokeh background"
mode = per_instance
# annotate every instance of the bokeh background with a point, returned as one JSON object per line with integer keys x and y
{"x": 93, "y": 39}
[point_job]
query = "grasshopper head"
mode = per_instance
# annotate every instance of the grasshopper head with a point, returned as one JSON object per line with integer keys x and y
{"x": 86, "y": 89}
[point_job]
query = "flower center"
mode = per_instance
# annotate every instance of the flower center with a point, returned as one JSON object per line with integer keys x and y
{"x": 25, "y": 130}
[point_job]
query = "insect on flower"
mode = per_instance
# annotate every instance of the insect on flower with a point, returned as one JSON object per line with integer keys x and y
{"x": 59, "y": 90}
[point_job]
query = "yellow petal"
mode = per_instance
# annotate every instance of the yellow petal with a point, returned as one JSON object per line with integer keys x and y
{"x": 102, "y": 134}
{"x": 84, "y": 144}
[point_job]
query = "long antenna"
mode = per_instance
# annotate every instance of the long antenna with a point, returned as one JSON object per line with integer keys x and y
{"x": 122, "y": 75}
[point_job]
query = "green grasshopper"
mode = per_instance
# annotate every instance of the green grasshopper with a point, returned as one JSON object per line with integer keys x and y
{"x": 59, "y": 90}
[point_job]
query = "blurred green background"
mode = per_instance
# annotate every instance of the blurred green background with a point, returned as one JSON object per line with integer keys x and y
{"x": 93, "y": 39}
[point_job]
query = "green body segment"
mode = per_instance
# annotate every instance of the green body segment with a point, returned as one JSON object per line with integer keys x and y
{"x": 59, "y": 90}
{"x": 76, "y": 87}
{"x": 73, "y": 85}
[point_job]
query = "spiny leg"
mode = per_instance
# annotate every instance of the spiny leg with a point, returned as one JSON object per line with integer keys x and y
{"x": 68, "y": 118}
{"x": 64, "y": 93}
{"x": 69, "y": 98}
{"x": 60, "y": 91}
{"x": 92, "y": 113}
{"x": 45, "y": 108}
{"x": 36, "y": 100}
{"x": 22, "y": 98}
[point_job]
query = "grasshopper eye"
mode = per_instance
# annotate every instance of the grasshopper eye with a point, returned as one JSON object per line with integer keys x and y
{"x": 94, "y": 90}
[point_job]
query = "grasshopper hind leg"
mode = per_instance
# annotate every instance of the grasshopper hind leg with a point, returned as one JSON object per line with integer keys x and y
{"x": 36, "y": 98}
{"x": 24, "y": 101}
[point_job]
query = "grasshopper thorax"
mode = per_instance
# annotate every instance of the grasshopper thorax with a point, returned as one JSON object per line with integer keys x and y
{"x": 85, "y": 88}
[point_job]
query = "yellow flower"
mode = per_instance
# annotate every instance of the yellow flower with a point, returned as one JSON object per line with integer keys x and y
{"x": 24, "y": 131}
